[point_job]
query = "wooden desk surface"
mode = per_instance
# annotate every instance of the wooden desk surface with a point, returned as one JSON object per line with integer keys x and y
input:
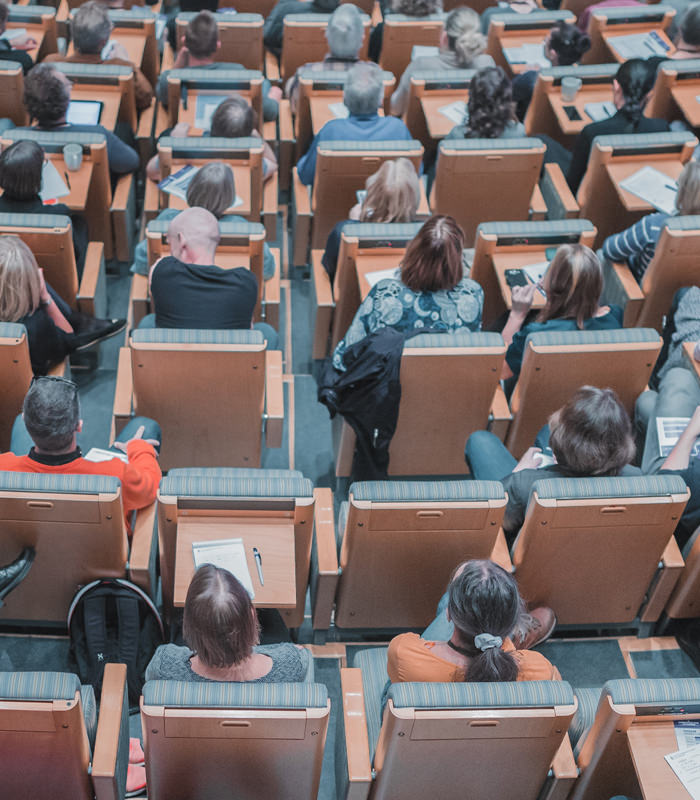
{"x": 619, "y": 170}
{"x": 505, "y": 261}
{"x": 110, "y": 96}
{"x": 649, "y": 742}
{"x": 188, "y": 114}
{"x": 241, "y": 179}
{"x": 438, "y": 124}
{"x": 593, "y": 93}
{"x": 374, "y": 263}
{"x": 274, "y": 538}
{"x": 518, "y": 38}
{"x": 134, "y": 42}
{"x": 688, "y": 348}
{"x": 686, "y": 96}
{"x": 33, "y": 29}
{"x": 78, "y": 182}
{"x": 321, "y": 112}
{"x": 615, "y": 31}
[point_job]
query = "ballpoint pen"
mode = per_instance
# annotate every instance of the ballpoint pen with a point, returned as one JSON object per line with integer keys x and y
{"x": 67, "y": 181}
{"x": 258, "y": 564}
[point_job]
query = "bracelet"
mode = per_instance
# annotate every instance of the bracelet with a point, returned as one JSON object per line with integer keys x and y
{"x": 44, "y": 303}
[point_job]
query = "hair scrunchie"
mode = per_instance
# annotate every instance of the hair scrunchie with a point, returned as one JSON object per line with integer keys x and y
{"x": 485, "y": 641}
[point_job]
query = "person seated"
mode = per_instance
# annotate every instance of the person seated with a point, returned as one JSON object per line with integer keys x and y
{"x": 14, "y": 48}
{"x": 431, "y": 294}
{"x": 54, "y": 330}
{"x": 212, "y": 188}
{"x": 479, "y": 624}
{"x": 91, "y": 28}
{"x": 344, "y": 34}
{"x": 490, "y": 108}
{"x": 221, "y": 634}
{"x": 688, "y": 38}
{"x": 462, "y": 46}
{"x": 590, "y": 436}
{"x": 273, "y": 28}
{"x": 409, "y": 8}
{"x": 572, "y": 285}
{"x": 510, "y": 7}
{"x": 563, "y": 46}
{"x": 637, "y": 244}
{"x": 46, "y": 98}
{"x": 198, "y": 48}
{"x": 584, "y": 18}
{"x": 392, "y": 194}
{"x": 48, "y": 428}
{"x": 188, "y": 290}
{"x": 363, "y": 95}
{"x": 21, "y": 167}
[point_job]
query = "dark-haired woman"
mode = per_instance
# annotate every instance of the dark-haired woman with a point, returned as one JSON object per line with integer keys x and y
{"x": 221, "y": 630}
{"x": 431, "y": 292}
{"x": 485, "y": 609}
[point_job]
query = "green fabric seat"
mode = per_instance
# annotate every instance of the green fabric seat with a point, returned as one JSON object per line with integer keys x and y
{"x": 585, "y": 488}
{"x": 63, "y": 484}
{"x": 191, "y": 336}
{"x": 186, "y": 694}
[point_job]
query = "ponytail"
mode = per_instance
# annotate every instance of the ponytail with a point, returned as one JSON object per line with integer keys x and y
{"x": 468, "y": 46}
{"x": 464, "y": 36}
{"x": 492, "y": 665}
{"x": 636, "y": 79}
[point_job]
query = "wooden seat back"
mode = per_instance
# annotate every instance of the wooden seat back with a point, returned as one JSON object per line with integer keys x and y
{"x": 241, "y": 37}
{"x": 402, "y": 33}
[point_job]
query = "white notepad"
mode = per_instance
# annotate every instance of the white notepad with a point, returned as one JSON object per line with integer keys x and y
{"x": 598, "y": 111}
{"x": 536, "y": 272}
{"x": 226, "y": 554}
{"x": 686, "y": 765}
{"x": 527, "y": 54}
{"x": 339, "y": 110}
{"x": 654, "y": 187}
{"x": 639, "y": 45}
{"x": 96, "y": 454}
{"x": 52, "y": 184}
{"x": 456, "y": 112}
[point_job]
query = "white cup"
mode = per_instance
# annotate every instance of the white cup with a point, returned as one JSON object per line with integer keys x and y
{"x": 73, "y": 156}
{"x": 569, "y": 88}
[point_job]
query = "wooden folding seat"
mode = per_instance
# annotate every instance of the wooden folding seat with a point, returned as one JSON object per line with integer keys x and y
{"x": 402, "y": 33}
{"x": 40, "y": 22}
{"x": 451, "y": 740}
{"x": 263, "y": 7}
{"x": 202, "y": 739}
{"x": 556, "y": 364}
{"x": 138, "y": 25}
{"x": 462, "y": 371}
{"x": 12, "y": 92}
{"x": 430, "y": 91}
{"x": 627, "y": 729}
{"x": 275, "y": 510}
{"x": 51, "y": 742}
{"x": 240, "y": 375}
{"x": 388, "y": 561}
{"x": 241, "y": 37}
{"x": 600, "y": 551}
{"x": 76, "y": 525}
{"x": 675, "y": 91}
{"x": 614, "y": 158}
{"x": 341, "y": 169}
{"x": 607, "y": 23}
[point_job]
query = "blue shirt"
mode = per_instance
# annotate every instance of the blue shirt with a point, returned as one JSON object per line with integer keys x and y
{"x": 365, "y": 128}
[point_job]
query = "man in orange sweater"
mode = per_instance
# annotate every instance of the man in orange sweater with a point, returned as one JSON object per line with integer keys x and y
{"x": 51, "y": 422}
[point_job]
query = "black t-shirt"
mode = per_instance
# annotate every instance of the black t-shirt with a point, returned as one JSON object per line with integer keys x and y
{"x": 48, "y": 344}
{"x": 202, "y": 297}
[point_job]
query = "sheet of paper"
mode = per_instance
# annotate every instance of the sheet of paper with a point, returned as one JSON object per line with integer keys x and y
{"x": 654, "y": 187}
{"x": 339, "y": 110}
{"x": 161, "y": 22}
{"x": 598, "y": 111}
{"x": 669, "y": 430}
{"x": 456, "y": 112}
{"x": 14, "y": 33}
{"x": 53, "y": 185}
{"x": 527, "y": 54}
{"x": 205, "y": 107}
{"x": 421, "y": 50}
{"x": 687, "y": 733}
{"x": 373, "y": 278}
{"x": 686, "y": 765}
{"x": 96, "y": 454}
{"x": 536, "y": 271}
{"x": 178, "y": 182}
{"x": 226, "y": 554}
{"x": 638, "y": 45}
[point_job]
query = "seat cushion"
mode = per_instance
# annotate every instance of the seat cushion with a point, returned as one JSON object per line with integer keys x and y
{"x": 652, "y": 691}
{"x": 373, "y": 663}
{"x": 584, "y": 488}
{"x": 427, "y": 491}
{"x": 201, "y": 485}
{"x": 38, "y": 685}
{"x": 188, "y": 694}
{"x": 87, "y": 698}
{"x": 63, "y": 484}
{"x": 583, "y": 718}
{"x": 232, "y": 472}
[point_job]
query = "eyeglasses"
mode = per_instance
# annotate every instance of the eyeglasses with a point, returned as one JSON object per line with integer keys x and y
{"x": 54, "y": 379}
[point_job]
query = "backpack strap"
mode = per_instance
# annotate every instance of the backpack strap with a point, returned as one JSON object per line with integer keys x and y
{"x": 95, "y": 626}
{"x": 129, "y": 630}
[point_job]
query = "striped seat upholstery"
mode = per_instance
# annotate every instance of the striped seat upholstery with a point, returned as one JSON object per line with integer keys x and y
{"x": 373, "y": 663}
{"x": 230, "y": 78}
{"x": 519, "y": 143}
{"x": 232, "y": 472}
{"x": 553, "y": 227}
{"x": 427, "y": 491}
{"x": 63, "y": 484}
{"x": 454, "y": 339}
{"x": 382, "y": 230}
{"x": 386, "y": 145}
{"x": 104, "y": 72}
{"x": 644, "y": 141}
{"x": 33, "y": 221}
{"x": 205, "y": 484}
{"x": 187, "y": 694}
{"x": 187, "y": 336}
{"x": 583, "y": 718}
{"x": 611, "y": 337}
{"x": 13, "y": 330}
{"x": 227, "y": 227}
{"x": 589, "y": 488}
{"x": 641, "y": 692}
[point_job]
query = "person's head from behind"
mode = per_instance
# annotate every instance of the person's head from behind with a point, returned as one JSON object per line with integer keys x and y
{"x": 592, "y": 434}
{"x": 462, "y": 35}
{"x": 20, "y": 285}
{"x": 484, "y": 606}
{"x": 46, "y": 95}
{"x": 565, "y": 44}
{"x": 212, "y": 188}
{"x": 219, "y": 622}
{"x": 90, "y": 27}
{"x": 234, "y": 118}
{"x": 573, "y": 284}
{"x": 364, "y": 89}
{"x": 433, "y": 259}
{"x": 4, "y": 14}
{"x": 345, "y": 32}
{"x": 51, "y": 413}
{"x": 490, "y": 104}
{"x": 688, "y": 197}
{"x": 202, "y": 35}
{"x": 416, "y": 8}
{"x": 193, "y": 236}
{"x": 689, "y": 26}
{"x": 20, "y": 170}
{"x": 393, "y": 193}
{"x": 632, "y": 86}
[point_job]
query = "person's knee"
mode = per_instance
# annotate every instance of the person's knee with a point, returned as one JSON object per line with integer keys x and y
{"x": 477, "y": 442}
{"x": 644, "y": 408}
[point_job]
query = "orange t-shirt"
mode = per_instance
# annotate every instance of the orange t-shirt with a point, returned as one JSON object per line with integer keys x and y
{"x": 412, "y": 659}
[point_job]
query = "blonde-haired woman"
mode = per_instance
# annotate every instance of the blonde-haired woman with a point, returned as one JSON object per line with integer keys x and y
{"x": 637, "y": 244}
{"x": 462, "y": 46}
{"x": 392, "y": 195}
{"x": 53, "y": 329}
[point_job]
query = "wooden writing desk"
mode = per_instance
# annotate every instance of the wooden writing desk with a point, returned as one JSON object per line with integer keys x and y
{"x": 619, "y": 170}
{"x": 685, "y": 94}
{"x": 517, "y": 38}
{"x": 78, "y": 182}
{"x": 648, "y": 743}
{"x": 188, "y": 114}
{"x": 35, "y": 30}
{"x": 110, "y": 96}
{"x": 438, "y": 124}
{"x": 274, "y": 538}
{"x": 591, "y": 93}
{"x": 241, "y": 179}
{"x": 374, "y": 263}
{"x": 509, "y": 260}
{"x": 614, "y": 32}
{"x": 321, "y": 112}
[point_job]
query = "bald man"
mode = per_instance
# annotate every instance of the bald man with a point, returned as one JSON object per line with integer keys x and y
{"x": 189, "y": 290}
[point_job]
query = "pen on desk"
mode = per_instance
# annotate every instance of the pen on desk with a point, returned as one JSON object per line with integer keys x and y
{"x": 258, "y": 564}
{"x": 67, "y": 180}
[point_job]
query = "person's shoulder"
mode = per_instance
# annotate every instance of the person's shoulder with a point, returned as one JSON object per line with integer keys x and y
{"x": 169, "y": 660}
{"x": 533, "y": 666}
{"x": 406, "y": 643}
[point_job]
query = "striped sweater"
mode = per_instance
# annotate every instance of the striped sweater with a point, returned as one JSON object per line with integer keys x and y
{"x": 637, "y": 244}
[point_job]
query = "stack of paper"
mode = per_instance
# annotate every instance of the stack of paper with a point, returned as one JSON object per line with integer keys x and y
{"x": 527, "y": 54}
{"x": 639, "y": 45}
{"x": 654, "y": 187}
{"x": 339, "y": 110}
{"x": 598, "y": 111}
{"x": 456, "y": 112}
{"x": 14, "y": 33}
{"x": 226, "y": 554}
{"x": 686, "y": 765}
{"x": 52, "y": 184}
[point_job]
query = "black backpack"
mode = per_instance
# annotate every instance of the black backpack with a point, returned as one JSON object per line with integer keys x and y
{"x": 113, "y": 621}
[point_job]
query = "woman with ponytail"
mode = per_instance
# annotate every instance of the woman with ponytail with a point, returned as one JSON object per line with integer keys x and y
{"x": 482, "y": 618}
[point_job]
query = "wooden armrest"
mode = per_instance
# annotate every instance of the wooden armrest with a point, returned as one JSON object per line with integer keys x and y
{"x": 500, "y": 554}
{"x": 162, "y": 120}
{"x": 560, "y": 202}
{"x": 144, "y": 131}
{"x": 287, "y": 144}
{"x": 92, "y": 293}
{"x": 538, "y": 207}
{"x": 123, "y": 391}
{"x": 622, "y": 289}
{"x": 142, "y": 547}
{"x": 139, "y": 299}
{"x": 325, "y": 305}
{"x": 565, "y": 772}
{"x": 104, "y": 761}
{"x": 272, "y": 67}
{"x": 123, "y": 212}
{"x": 269, "y": 132}
{"x": 423, "y": 211}
{"x": 168, "y": 57}
{"x": 301, "y": 204}
{"x": 327, "y": 561}
{"x": 272, "y": 293}
{"x": 151, "y": 201}
{"x": 270, "y": 207}
{"x": 274, "y": 398}
{"x": 500, "y": 415}
{"x": 359, "y": 766}
{"x": 667, "y": 576}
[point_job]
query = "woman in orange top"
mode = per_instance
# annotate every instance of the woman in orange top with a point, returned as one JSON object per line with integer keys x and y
{"x": 484, "y": 605}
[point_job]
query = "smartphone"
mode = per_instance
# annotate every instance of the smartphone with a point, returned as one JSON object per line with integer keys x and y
{"x": 516, "y": 277}
{"x": 572, "y": 113}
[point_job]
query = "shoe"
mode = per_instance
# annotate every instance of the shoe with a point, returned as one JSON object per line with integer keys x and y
{"x": 135, "y": 780}
{"x": 97, "y": 331}
{"x": 534, "y": 628}
{"x": 136, "y": 755}
{"x": 13, "y": 574}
